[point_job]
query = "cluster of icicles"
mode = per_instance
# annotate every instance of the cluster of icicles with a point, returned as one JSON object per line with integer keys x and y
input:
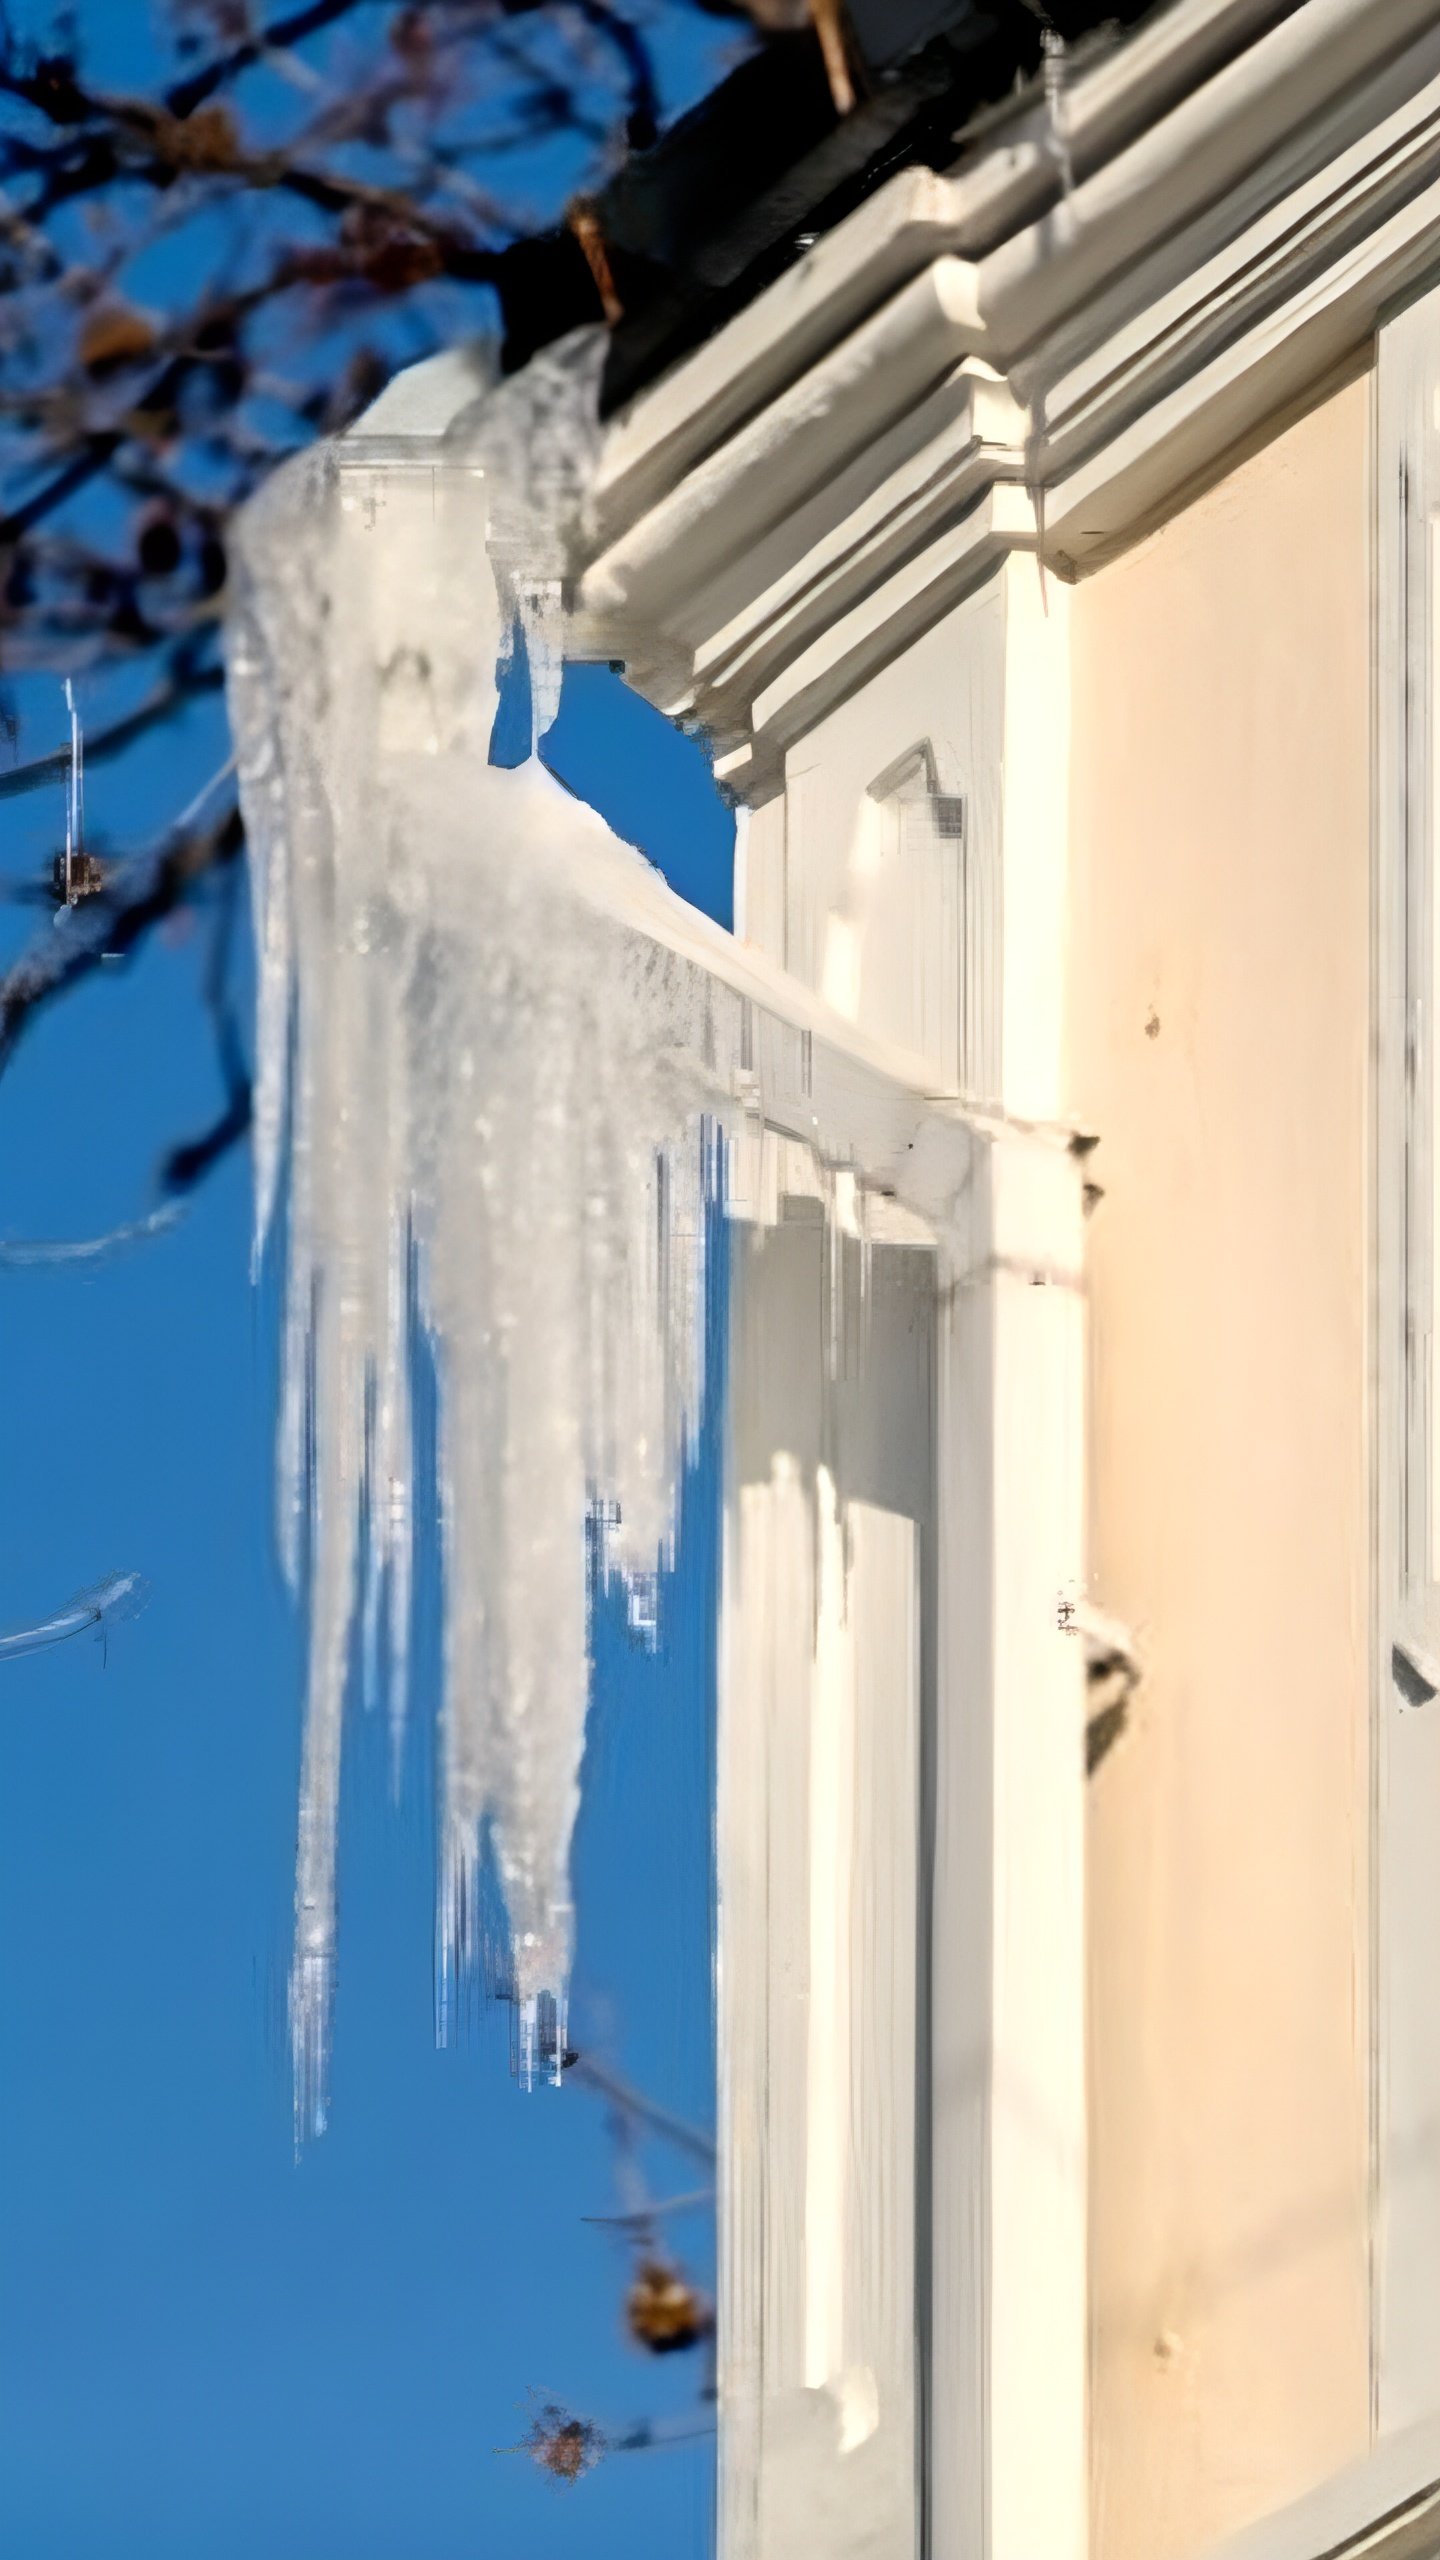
{"x": 492, "y": 1098}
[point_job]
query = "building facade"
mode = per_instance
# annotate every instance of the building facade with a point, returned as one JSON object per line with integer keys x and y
{"x": 1050, "y": 555}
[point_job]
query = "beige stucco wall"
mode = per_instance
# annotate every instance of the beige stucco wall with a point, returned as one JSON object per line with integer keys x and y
{"x": 1217, "y": 1041}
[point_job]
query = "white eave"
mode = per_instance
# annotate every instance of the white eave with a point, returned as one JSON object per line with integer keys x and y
{"x": 1047, "y": 347}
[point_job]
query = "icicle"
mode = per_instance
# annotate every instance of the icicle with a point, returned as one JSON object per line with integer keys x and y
{"x": 493, "y": 1096}
{"x": 74, "y": 797}
{"x": 1052, "y": 48}
{"x": 541, "y": 437}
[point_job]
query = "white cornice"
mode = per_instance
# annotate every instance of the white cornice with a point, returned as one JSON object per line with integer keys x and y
{"x": 1008, "y": 175}
{"x": 1314, "y": 84}
{"x": 851, "y": 646}
{"x": 1191, "y": 368}
{"x": 965, "y": 438}
{"x": 790, "y": 504}
{"x": 993, "y": 360}
{"x": 773, "y": 464}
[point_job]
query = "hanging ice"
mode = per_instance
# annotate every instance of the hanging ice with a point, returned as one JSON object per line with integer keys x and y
{"x": 493, "y": 1093}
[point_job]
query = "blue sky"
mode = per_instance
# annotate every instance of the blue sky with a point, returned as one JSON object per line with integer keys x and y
{"x": 207, "y": 2350}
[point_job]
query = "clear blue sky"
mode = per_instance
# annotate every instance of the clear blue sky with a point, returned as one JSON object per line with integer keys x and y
{"x": 206, "y": 2351}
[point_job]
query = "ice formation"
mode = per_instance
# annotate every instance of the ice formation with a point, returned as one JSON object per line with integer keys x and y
{"x": 494, "y": 1097}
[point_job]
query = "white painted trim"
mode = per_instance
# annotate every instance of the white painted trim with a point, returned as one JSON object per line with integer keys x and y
{"x": 1002, "y": 2346}
{"x": 979, "y": 434}
{"x": 1384, "y": 2507}
{"x": 1034, "y": 864}
{"x": 828, "y": 1521}
{"x": 1006, "y": 178}
{"x": 1250, "y": 329}
{"x": 1006, "y": 2320}
{"x": 1407, "y": 1444}
{"x": 875, "y": 629}
{"x": 773, "y": 514}
{"x": 1268, "y": 105}
{"x": 838, "y": 407}
{"x": 1008, "y": 2473}
{"x": 1209, "y": 272}
{"x": 672, "y": 425}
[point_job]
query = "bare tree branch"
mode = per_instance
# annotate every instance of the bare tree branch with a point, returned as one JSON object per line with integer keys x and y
{"x": 119, "y": 1595}
{"x": 181, "y": 684}
{"x": 630, "y": 2103}
{"x": 20, "y": 1253}
{"x": 109, "y": 925}
{"x": 184, "y": 96}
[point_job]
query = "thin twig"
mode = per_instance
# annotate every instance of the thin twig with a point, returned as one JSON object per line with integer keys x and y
{"x": 697, "y": 2201}
{"x": 109, "y": 925}
{"x": 23, "y": 1254}
{"x": 629, "y": 2102}
{"x": 186, "y": 95}
{"x": 177, "y": 687}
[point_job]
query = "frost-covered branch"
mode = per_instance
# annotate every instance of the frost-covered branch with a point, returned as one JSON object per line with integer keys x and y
{"x": 24, "y": 1253}
{"x": 633, "y": 2107}
{"x": 119, "y": 1595}
{"x": 134, "y": 896}
{"x": 184, "y": 679}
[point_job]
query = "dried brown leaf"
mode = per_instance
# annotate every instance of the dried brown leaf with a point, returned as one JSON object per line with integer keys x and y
{"x": 114, "y": 333}
{"x": 208, "y": 140}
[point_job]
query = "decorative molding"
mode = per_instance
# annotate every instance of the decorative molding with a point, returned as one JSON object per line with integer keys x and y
{"x": 881, "y": 624}
{"x": 673, "y": 425}
{"x": 836, "y": 410}
{"x": 977, "y": 442}
{"x": 828, "y": 1534}
{"x": 1106, "y": 352}
{"x": 1006, "y": 179}
{"x": 1253, "y": 325}
{"x": 848, "y": 455}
